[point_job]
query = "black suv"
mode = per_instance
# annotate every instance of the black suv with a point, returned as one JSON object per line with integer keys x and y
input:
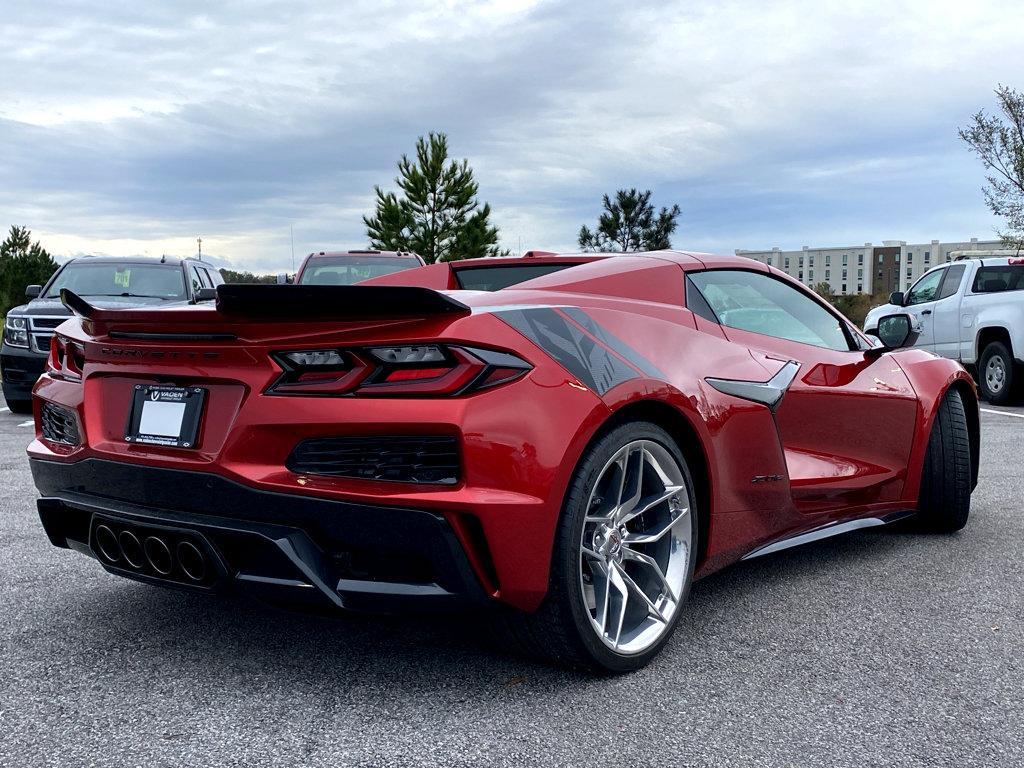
{"x": 106, "y": 281}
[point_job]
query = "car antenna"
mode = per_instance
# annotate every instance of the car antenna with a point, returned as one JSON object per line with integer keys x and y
{"x": 163, "y": 258}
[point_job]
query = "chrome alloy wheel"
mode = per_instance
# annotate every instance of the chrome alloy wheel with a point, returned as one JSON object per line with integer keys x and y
{"x": 995, "y": 374}
{"x": 635, "y": 547}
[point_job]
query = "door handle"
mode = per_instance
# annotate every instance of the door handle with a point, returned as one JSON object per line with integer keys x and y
{"x": 926, "y": 312}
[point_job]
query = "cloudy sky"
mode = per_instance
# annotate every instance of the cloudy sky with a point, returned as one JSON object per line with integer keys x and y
{"x": 129, "y": 128}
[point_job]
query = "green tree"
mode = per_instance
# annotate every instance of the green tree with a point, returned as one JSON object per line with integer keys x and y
{"x": 22, "y": 263}
{"x": 630, "y": 223}
{"x": 1000, "y": 145}
{"x": 244, "y": 276}
{"x": 435, "y": 213}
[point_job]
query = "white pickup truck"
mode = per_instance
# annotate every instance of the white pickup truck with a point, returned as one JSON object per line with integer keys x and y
{"x": 971, "y": 310}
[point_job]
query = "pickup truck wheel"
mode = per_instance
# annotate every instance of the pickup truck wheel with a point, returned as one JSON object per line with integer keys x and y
{"x": 20, "y": 406}
{"x": 945, "y": 498}
{"x": 995, "y": 373}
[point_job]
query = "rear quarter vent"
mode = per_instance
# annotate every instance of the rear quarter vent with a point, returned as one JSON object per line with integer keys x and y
{"x": 432, "y": 459}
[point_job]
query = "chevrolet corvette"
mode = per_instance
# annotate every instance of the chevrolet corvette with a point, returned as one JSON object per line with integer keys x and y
{"x": 567, "y": 440}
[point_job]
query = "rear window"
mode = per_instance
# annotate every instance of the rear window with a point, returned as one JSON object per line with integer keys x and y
{"x": 85, "y": 278}
{"x": 1003, "y": 278}
{"x": 346, "y": 270}
{"x": 499, "y": 277}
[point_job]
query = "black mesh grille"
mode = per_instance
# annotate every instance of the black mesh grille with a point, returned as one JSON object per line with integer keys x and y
{"x": 60, "y": 425}
{"x": 405, "y": 458}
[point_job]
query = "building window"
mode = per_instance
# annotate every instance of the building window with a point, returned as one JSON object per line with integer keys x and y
{"x": 768, "y": 260}
{"x": 881, "y": 258}
{"x": 844, "y": 273}
{"x": 860, "y": 288}
{"x": 787, "y": 262}
{"x": 800, "y": 275}
{"x": 860, "y": 273}
{"x": 909, "y": 269}
{"x": 927, "y": 256}
{"x": 801, "y": 261}
{"x": 910, "y": 257}
{"x": 845, "y": 257}
{"x": 860, "y": 258}
{"x": 810, "y": 275}
{"x": 879, "y": 274}
{"x": 896, "y": 258}
{"x": 844, "y": 288}
{"x": 827, "y": 274}
{"x": 828, "y": 260}
{"x": 947, "y": 256}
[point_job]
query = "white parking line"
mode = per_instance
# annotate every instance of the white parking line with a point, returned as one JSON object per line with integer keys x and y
{"x": 29, "y": 423}
{"x": 1004, "y": 413}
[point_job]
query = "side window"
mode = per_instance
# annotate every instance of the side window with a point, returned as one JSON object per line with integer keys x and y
{"x": 951, "y": 283}
{"x": 992, "y": 279}
{"x": 697, "y": 304}
{"x": 756, "y": 302}
{"x": 197, "y": 281}
{"x": 926, "y": 289}
{"x": 213, "y": 277}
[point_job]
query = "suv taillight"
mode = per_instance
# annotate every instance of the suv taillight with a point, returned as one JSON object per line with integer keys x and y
{"x": 403, "y": 370}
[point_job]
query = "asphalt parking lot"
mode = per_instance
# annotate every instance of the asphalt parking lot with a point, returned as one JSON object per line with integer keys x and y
{"x": 878, "y": 648}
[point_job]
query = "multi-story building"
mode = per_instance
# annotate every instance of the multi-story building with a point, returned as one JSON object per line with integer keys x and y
{"x": 869, "y": 269}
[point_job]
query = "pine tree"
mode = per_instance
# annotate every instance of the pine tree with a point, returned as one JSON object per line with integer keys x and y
{"x": 629, "y": 223}
{"x": 436, "y": 212}
{"x": 22, "y": 263}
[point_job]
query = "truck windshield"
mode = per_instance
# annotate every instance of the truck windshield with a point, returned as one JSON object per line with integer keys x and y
{"x": 346, "y": 270}
{"x": 157, "y": 281}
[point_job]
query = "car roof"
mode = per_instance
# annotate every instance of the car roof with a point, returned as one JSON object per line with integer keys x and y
{"x": 172, "y": 260}
{"x": 364, "y": 252}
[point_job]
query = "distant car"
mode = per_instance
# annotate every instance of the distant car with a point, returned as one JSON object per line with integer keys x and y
{"x": 107, "y": 282}
{"x": 569, "y": 440}
{"x": 970, "y": 310}
{"x": 345, "y": 268}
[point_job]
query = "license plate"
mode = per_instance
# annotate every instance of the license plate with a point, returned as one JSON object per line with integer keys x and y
{"x": 165, "y": 416}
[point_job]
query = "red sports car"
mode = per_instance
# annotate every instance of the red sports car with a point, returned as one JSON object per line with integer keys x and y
{"x": 570, "y": 440}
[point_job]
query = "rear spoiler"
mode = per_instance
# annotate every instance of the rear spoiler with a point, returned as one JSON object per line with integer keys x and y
{"x": 254, "y": 301}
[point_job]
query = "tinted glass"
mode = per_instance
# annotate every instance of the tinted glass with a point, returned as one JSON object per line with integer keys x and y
{"x": 1004, "y": 278}
{"x": 951, "y": 283}
{"x": 346, "y": 270}
{"x": 161, "y": 281}
{"x": 503, "y": 276}
{"x": 754, "y": 302}
{"x": 926, "y": 289}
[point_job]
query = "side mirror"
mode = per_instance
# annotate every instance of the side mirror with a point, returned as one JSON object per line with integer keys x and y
{"x": 205, "y": 295}
{"x": 33, "y": 291}
{"x": 282, "y": 278}
{"x": 897, "y": 298}
{"x": 895, "y": 331}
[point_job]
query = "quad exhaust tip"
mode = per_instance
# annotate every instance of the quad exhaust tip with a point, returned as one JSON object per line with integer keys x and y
{"x": 139, "y": 551}
{"x": 158, "y": 555}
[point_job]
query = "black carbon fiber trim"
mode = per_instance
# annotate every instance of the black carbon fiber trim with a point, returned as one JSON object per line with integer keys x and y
{"x": 588, "y": 361}
{"x": 608, "y": 338}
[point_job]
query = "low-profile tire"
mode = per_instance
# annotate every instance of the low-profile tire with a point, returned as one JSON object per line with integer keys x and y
{"x": 615, "y": 538}
{"x": 20, "y": 406}
{"x": 996, "y": 374}
{"x": 945, "y": 499}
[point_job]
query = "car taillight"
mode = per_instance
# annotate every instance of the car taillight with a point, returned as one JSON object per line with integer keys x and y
{"x": 67, "y": 358}
{"x": 406, "y": 370}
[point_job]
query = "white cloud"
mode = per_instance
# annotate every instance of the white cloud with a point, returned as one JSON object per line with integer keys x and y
{"x": 131, "y": 129}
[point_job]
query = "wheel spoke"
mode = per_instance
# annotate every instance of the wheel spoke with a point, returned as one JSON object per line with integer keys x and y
{"x": 645, "y": 538}
{"x": 642, "y": 558}
{"x": 616, "y": 582}
{"x": 649, "y": 502}
{"x": 653, "y": 610}
{"x": 635, "y": 462}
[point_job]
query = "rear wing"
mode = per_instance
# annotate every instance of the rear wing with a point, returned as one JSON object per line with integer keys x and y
{"x": 262, "y": 302}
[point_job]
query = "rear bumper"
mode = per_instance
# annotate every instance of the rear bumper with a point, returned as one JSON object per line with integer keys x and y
{"x": 285, "y": 548}
{"x": 20, "y": 369}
